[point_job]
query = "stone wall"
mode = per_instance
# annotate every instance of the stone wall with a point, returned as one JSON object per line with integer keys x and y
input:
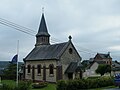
{"x": 39, "y": 77}
{"x": 68, "y": 57}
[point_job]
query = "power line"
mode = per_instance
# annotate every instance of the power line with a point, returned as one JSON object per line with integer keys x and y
{"x": 18, "y": 26}
{"x": 32, "y": 33}
{"x": 28, "y": 31}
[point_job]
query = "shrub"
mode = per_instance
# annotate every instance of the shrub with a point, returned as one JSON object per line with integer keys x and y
{"x": 72, "y": 85}
{"x": 84, "y": 83}
{"x": 39, "y": 85}
{"x": 105, "y": 81}
{"x": 61, "y": 85}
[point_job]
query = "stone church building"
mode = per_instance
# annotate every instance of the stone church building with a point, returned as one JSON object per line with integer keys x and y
{"x": 51, "y": 62}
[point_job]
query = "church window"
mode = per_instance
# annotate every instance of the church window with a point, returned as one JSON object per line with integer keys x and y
{"x": 70, "y": 51}
{"x": 51, "y": 69}
{"x": 29, "y": 67}
{"x": 38, "y": 69}
{"x": 42, "y": 39}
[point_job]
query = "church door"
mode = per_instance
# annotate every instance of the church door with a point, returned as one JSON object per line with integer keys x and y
{"x": 44, "y": 73}
{"x": 70, "y": 75}
{"x": 33, "y": 73}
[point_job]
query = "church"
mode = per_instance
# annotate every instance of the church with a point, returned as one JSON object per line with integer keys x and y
{"x": 51, "y": 62}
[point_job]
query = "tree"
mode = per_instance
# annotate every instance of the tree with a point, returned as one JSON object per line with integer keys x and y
{"x": 10, "y": 72}
{"x": 108, "y": 69}
{"x": 103, "y": 68}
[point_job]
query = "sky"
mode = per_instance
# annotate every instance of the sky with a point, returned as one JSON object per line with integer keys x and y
{"x": 93, "y": 24}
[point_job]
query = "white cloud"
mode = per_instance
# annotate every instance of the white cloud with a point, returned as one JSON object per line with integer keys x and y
{"x": 115, "y": 48}
{"x": 108, "y": 22}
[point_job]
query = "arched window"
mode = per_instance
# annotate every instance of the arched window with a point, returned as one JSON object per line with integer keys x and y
{"x": 51, "y": 69}
{"x": 28, "y": 67}
{"x": 39, "y": 69}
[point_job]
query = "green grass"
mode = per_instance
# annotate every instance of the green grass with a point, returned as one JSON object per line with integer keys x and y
{"x": 49, "y": 87}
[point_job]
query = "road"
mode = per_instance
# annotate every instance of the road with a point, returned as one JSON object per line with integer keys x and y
{"x": 112, "y": 89}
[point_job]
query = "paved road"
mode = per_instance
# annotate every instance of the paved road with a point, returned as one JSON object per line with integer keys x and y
{"x": 112, "y": 89}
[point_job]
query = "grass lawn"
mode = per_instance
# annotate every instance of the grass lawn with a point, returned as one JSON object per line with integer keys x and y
{"x": 13, "y": 83}
{"x": 49, "y": 87}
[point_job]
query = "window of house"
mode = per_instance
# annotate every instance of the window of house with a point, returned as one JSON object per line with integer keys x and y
{"x": 39, "y": 69}
{"x": 29, "y": 67}
{"x": 70, "y": 51}
{"x": 51, "y": 69}
{"x": 42, "y": 39}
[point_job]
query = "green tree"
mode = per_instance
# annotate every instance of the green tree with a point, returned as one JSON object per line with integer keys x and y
{"x": 103, "y": 68}
{"x": 108, "y": 69}
{"x": 10, "y": 72}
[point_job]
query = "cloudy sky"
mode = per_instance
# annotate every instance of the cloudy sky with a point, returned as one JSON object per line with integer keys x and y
{"x": 93, "y": 24}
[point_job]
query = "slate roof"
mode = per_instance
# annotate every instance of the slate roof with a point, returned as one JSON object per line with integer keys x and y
{"x": 73, "y": 67}
{"x": 42, "y": 28}
{"x": 104, "y": 55}
{"x": 115, "y": 64}
{"x": 45, "y": 52}
{"x": 100, "y": 62}
{"x": 116, "y": 69}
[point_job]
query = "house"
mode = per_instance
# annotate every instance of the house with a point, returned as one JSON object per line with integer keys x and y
{"x": 90, "y": 70}
{"x": 98, "y": 59}
{"x": 103, "y": 57}
{"x": 115, "y": 67}
{"x": 51, "y": 62}
{"x": 85, "y": 63}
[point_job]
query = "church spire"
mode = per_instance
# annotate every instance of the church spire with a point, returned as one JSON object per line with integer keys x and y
{"x": 42, "y": 37}
{"x": 42, "y": 28}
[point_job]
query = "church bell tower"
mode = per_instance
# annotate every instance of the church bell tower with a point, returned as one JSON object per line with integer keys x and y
{"x": 42, "y": 37}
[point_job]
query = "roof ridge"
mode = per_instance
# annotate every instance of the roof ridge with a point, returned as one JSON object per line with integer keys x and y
{"x": 58, "y": 43}
{"x": 58, "y": 56}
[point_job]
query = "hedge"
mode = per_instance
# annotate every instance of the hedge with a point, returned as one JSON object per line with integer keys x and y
{"x": 78, "y": 84}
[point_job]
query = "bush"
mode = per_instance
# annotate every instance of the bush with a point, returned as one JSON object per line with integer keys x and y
{"x": 39, "y": 85}
{"x": 85, "y": 83}
{"x": 105, "y": 81}
{"x": 61, "y": 85}
{"x": 72, "y": 85}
